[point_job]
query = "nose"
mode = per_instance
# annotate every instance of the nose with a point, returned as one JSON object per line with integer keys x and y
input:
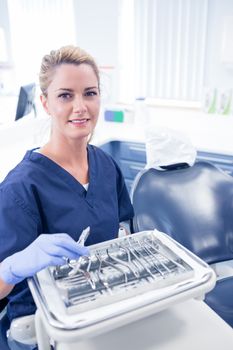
{"x": 79, "y": 106}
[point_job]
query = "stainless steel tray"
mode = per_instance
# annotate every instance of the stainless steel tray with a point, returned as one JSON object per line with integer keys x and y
{"x": 143, "y": 270}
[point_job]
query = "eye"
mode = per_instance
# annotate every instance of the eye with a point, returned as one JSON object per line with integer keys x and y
{"x": 65, "y": 96}
{"x": 91, "y": 93}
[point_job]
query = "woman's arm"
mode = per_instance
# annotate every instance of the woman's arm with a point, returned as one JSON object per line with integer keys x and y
{"x": 5, "y": 289}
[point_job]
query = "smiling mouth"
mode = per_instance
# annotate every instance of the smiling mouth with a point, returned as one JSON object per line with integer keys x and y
{"x": 78, "y": 121}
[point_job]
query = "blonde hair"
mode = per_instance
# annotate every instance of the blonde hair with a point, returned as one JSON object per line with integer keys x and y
{"x": 66, "y": 54}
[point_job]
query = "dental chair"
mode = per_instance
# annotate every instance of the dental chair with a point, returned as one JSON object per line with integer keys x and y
{"x": 194, "y": 205}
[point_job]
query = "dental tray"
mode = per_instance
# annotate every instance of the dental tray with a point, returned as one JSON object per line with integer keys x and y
{"x": 128, "y": 277}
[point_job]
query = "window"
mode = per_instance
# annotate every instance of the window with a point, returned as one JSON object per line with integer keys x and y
{"x": 38, "y": 26}
{"x": 166, "y": 48}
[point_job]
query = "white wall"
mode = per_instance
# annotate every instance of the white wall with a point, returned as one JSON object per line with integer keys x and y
{"x": 216, "y": 73}
{"x": 4, "y": 23}
{"x": 97, "y": 28}
{"x": 207, "y": 132}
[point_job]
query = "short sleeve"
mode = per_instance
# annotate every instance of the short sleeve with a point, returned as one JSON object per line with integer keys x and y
{"x": 18, "y": 228}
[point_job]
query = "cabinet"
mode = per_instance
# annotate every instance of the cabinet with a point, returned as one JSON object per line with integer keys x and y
{"x": 222, "y": 161}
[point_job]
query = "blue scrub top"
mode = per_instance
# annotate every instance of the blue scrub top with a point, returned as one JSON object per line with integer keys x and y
{"x": 38, "y": 196}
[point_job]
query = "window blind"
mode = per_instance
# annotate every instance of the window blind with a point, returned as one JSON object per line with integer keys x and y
{"x": 169, "y": 48}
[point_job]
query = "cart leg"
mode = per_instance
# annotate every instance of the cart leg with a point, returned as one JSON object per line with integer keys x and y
{"x": 41, "y": 334}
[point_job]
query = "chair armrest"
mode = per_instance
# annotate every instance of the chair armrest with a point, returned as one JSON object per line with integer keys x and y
{"x": 223, "y": 269}
{"x": 22, "y": 329}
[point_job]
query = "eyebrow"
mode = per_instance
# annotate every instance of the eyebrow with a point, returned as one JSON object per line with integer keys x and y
{"x": 92, "y": 87}
{"x": 64, "y": 89}
{"x": 70, "y": 90}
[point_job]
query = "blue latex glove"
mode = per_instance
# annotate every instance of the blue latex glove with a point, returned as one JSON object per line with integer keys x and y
{"x": 46, "y": 250}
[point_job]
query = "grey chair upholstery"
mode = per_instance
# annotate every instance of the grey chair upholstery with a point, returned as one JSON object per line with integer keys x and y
{"x": 194, "y": 205}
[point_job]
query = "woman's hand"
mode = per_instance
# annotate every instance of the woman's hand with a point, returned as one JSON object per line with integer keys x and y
{"x": 46, "y": 250}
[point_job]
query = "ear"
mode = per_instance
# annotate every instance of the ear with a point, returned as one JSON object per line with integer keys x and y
{"x": 44, "y": 102}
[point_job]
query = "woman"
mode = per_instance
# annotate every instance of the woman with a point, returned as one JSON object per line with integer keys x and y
{"x": 64, "y": 186}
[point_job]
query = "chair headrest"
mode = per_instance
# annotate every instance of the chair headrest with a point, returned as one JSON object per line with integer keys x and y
{"x": 166, "y": 149}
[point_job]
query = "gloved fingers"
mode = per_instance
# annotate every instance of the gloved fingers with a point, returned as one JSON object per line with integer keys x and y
{"x": 49, "y": 242}
{"x": 56, "y": 251}
{"x": 57, "y": 260}
{"x": 69, "y": 243}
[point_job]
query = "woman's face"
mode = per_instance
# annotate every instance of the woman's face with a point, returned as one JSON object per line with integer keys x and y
{"x": 73, "y": 101}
